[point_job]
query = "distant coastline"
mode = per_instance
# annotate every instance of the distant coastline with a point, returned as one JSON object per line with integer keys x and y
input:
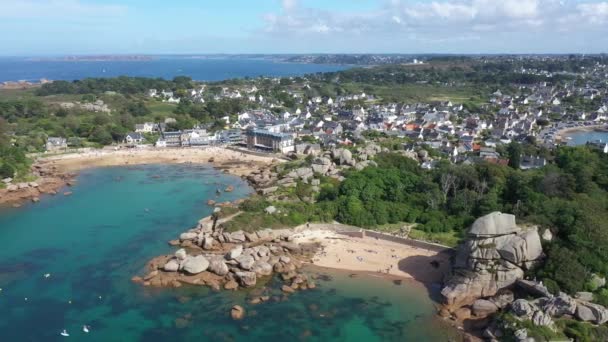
{"x": 209, "y": 68}
{"x": 100, "y": 58}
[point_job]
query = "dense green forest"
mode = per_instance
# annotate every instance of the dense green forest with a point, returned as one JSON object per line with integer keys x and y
{"x": 123, "y": 85}
{"x": 13, "y": 161}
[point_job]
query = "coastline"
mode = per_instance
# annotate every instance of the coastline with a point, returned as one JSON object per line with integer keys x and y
{"x": 563, "y": 133}
{"x": 373, "y": 255}
{"x": 58, "y": 171}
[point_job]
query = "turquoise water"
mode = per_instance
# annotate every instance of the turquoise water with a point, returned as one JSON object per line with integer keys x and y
{"x": 94, "y": 241}
{"x": 581, "y": 138}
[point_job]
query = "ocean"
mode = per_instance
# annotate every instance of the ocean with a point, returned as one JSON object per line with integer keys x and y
{"x": 92, "y": 243}
{"x": 216, "y": 69}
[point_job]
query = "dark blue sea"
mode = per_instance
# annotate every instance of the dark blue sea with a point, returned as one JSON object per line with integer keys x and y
{"x": 207, "y": 69}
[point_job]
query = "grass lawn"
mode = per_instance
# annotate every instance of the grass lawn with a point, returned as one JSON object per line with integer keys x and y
{"x": 253, "y": 221}
{"x": 16, "y": 94}
{"x": 160, "y": 108}
{"x": 411, "y": 93}
{"x": 450, "y": 239}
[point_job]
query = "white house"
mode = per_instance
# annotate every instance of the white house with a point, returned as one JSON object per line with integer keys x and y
{"x": 134, "y": 138}
{"x": 146, "y": 127}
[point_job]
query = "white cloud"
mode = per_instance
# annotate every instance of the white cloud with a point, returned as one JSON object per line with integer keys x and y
{"x": 596, "y": 13}
{"x": 289, "y": 5}
{"x": 441, "y": 18}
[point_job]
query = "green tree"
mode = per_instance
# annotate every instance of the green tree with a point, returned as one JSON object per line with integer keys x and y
{"x": 514, "y": 152}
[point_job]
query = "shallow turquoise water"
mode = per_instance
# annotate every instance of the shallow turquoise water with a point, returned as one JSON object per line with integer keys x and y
{"x": 581, "y": 138}
{"x": 94, "y": 241}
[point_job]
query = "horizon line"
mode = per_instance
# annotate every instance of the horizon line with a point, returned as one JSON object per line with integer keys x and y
{"x": 306, "y": 54}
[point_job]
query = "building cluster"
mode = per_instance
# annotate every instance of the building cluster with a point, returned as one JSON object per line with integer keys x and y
{"x": 464, "y": 133}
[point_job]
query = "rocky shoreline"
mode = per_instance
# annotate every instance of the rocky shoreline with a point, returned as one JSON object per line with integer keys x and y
{"x": 222, "y": 260}
{"x": 49, "y": 181}
{"x": 488, "y": 279}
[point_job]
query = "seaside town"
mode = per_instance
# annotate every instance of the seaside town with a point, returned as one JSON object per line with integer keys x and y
{"x": 304, "y": 170}
{"x": 294, "y": 122}
{"x": 474, "y": 177}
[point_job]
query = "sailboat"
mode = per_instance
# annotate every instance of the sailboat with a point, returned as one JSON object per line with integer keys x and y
{"x": 85, "y": 328}
{"x": 64, "y": 333}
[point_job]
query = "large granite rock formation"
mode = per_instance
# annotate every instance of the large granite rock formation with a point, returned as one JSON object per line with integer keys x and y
{"x": 493, "y": 257}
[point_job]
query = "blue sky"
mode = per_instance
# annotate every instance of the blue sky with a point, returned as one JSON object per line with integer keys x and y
{"x": 59, "y": 27}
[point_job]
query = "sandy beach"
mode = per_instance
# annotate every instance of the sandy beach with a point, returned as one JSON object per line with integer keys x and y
{"x": 564, "y": 132}
{"x": 233, "y": 161}
{"x": 373, "y": 255}
{"x": 59, "y": 170}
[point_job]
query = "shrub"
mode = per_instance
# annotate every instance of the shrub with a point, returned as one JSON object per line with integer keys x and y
{"x": 7, "y": 170}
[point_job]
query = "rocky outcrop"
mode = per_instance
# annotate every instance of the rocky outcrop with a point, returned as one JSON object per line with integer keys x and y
{"x": 343, "y": 157}
{"x": 195, "y": 264}
{"x": 229, "y": 260}
{"x": 558, "y": 306}
{"x": 493, "y": 257}
{"x": 542, "y": 311}
{"x": 483, "y": 308}
{"x": 235, "y": 252}
{"x": 218, "y": 266}
{"x": 590, "y": 312}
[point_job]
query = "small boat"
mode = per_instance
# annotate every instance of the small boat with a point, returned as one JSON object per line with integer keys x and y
{"x": 85, "y": 328}
{"x": 218, "y": 191}
{"x": 64, "y": 333}
{"x": 47, "y": 275}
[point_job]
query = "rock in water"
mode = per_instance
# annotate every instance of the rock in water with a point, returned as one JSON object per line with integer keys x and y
{"x": 237, "y": 312}
{"x": 231, "y": 285}
{"x": 246, "y": 279}
{"x": 235, "y": 252}
{"x": 195, "y": 265}
{"x": 218, "y": 266}
{"x": 171, "y": 266}
{"x": 287, "y": 289}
